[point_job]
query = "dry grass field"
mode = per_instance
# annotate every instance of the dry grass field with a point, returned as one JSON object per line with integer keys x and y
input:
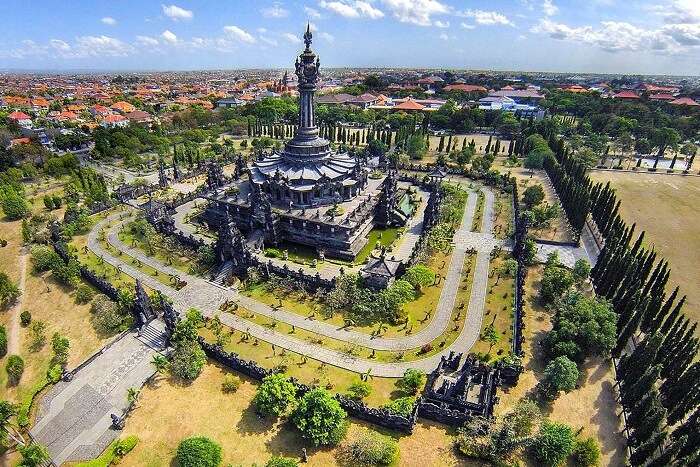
{"x": 591, "y": 408}
{"x": 666, "y": 207}
{"x": 168, "y": 412}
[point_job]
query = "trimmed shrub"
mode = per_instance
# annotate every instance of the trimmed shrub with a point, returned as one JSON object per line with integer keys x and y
{"x": 555, "y": 442}
{"x": 275, "y": 396}
{"x": 587, "y": 453}
{"x": 198, "y": 451}
{"x": 84, "y": 294}
{"x": 278, "y": 461}
{"x": 370, "y": 448}
{"x": 320, "y": 418}
{"x": 402, "y": 406}
{"x": 14, "y": 368}
{"x": 359, "y": 390}
{"x": 25, "y": 318}
{"x": 411, "y": 381}
{"x": 230, "y": 383}
{"x": 3, "y": 341}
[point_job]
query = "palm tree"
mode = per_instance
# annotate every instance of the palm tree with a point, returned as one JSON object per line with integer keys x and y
{"x": 131, "y": 395}
{"x": 7, "y": 411}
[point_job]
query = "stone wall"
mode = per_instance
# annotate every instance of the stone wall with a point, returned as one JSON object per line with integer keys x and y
{"x": 354, "y": 408}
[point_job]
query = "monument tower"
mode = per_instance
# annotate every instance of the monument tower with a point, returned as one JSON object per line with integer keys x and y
{"x": 307, "y": 172}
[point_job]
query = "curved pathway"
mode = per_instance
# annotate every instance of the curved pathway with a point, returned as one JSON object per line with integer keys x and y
{"x": 207, "y": 297}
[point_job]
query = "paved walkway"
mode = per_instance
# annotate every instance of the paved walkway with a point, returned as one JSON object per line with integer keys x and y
{"x": 207, "y": 297}
{"x": 74, "y": 420}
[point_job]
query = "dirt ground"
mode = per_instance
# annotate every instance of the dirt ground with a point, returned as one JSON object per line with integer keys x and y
{"x": 592, "y": 407}
{"x": 559, "y": 228}
{"x": 666, "y": 207}
{"x": 168, "y": 412}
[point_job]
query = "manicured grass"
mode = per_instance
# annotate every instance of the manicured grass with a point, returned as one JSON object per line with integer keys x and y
{"x": 666, "y": 208}
{"x": 498, "y": 313}
{"x": 179, "y": 261}
{"x": 230, "y": 420}
{"x": 306, "y": 306}
{"x": 385, "y": 236}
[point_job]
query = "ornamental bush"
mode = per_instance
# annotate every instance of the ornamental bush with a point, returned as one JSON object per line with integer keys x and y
{"x": 25, "y": 318}
{"x": 188, "y": 359}
{"x": 402, "y": 406}
{"x": 275, "y": 396}
{"x": 320, "y": 418}
{"x": 560, "y": 374}
{"x": 3, "y": 341}
{"x": 44, "y": 258}
{"x": 369, "y": 448}
{"x": 587, "y": 453}
{"x": 555, "y": 442}
{"x": 198, "y": 451}
{"x": 279, "y": 461}
{"x": 14, "y": 368}
{"x": 359, "y": 390}
{"x": 230, "y": 383}
{"x": 411, "y": 381}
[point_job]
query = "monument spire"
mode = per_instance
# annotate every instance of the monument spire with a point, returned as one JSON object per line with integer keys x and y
{"x": 307, "y": 65}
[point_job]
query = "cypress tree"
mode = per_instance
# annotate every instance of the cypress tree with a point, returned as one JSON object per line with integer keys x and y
{"x": 488, "y": 146}
{"x": 629, "y": 328}
{"x": 510, "y": 147}
{"x": 680, "y": 410}
{"x": 632, "y": 392}
{"x": 673, "y": 339}
{"x": 464, "y": 143}
{"x": 648, "y": 426}
{"x": 647, "y": 449}
{"x": 691, "y": 430}
{"x": 441, "y": 144}
{"x": 633, "y": 366}
{"x": 449, "y": 143}
{"x": 669, "y": 453}
{"x": 497, "y": 149}
{"x": 673, "y": 390}
{"x": 680, "y": 359}
{"x": 672, "y": 317}
{"x": 639, "y": 411}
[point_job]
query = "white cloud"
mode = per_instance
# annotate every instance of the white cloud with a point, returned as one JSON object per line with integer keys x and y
{"x": 326, "y": 36}
{"x": 615, "y": 36}
{"x": 169, "y": 37}
{"x": 352, "y": 9}
{"x": 60, "y": 45}
{"x": 680, "y": 12}
{"x": 441, "y": 24}
{"x": 312, "y": 13}
{"x": 176, "y": 13}
{"x": 549, "y": 8}
{"x": 101, "y": 46}
{"x": 147, "y": 41}
{"x": 444, "y": 36}
{"x": 468, "y": 26}
{"x": 417, "y": 12}
{"x": 239, "y": 34}
{"x": 291, "y": 38}
{"x": 268, "y": 41}
{"x": 487, "y": 18}
{"x": 261, "y": 30}
{"x": 108, "y": 20}
{"x": 275, "y": 11}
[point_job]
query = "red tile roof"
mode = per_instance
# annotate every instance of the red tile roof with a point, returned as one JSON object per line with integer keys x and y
{"x": 662, "y": 97}
{"x": 19, "y": 116}
{"x": 684, "y": 101}
{"x": 409, "y": 104}
{"x": 626, "y": 95}
{"x": 464, "y": 88}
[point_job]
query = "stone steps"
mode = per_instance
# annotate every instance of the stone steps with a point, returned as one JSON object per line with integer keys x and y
{"x": 153, "y": 335}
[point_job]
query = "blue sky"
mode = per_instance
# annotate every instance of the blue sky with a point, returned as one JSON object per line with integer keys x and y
{"x": 612, "y": 36}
